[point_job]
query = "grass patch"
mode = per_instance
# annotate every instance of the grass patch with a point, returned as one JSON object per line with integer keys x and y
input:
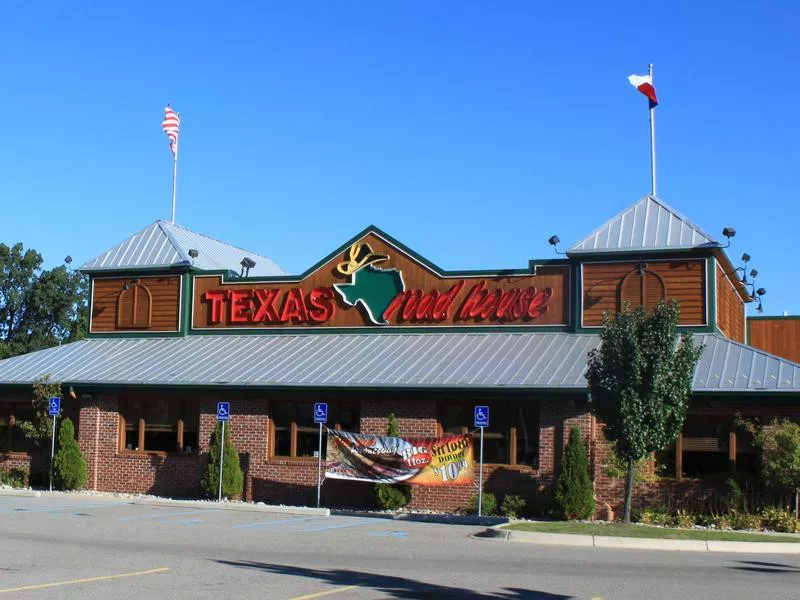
{"x": 646, "y": 531}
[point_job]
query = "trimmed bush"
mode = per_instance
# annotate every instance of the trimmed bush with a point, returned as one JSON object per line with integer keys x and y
{"x": 512, "y": 506}
{"x": 232, "y": 478}
{"x": 574, "y": 495}
{"x": 488, "y": 504}
{"x": 391, "y": 496}
{"x": 69, "y": 464}
{"x": 743, "y": 520}
{"x": 15, "y": 477}
{"x": 775, "y": 519}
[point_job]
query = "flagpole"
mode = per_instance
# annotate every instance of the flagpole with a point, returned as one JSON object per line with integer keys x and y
{"x": 652, "y": 140}
{"x": 175, "y": 180}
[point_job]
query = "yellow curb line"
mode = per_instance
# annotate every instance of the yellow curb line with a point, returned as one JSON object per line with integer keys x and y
{"x": 76, "y": 581}
{"x": 327, "y": 593}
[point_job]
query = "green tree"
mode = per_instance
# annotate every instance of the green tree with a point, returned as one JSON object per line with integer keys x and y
{"x": 391, "y": 496}
{"x": 232, "y": 478}
{"x": 40, "y": 428}
{"x": 574, "y": 494}
{"x": 38, "y": 308}
{"x": 779, "y": 443}
{"x": 640, "y": 380}
{"x": 69, "y": 464}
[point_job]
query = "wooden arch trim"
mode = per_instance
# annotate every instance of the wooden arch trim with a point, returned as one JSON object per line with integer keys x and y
{"x": 641, "y": 292}
{"x": 134, "y": 307}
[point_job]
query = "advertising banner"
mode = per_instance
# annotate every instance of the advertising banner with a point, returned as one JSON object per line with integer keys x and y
{"x": 445, "y": 460}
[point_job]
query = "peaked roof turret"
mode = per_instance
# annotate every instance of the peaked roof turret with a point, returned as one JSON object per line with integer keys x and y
{"x": 649, "y": 225}
{"x": 164, "y": 244}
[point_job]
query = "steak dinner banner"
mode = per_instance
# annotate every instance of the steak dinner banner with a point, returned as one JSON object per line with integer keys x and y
{"x": 445, "y": 460}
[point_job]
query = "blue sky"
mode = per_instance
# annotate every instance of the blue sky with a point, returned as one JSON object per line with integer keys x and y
{"x": 470, "y": 131}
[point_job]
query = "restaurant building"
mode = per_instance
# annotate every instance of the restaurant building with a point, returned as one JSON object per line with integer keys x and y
{"x": 180, "y": 321}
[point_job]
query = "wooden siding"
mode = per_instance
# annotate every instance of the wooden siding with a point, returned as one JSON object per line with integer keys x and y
{"x": 730, "y": 308}
{"x": 684, "y": 280}
{"x": 778, "y": 336}
{"x": 164, "y": 302}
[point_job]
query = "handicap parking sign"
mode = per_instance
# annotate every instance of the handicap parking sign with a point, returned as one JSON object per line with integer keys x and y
{"x": 223, "y": 411}
{"x": 320, "y": 412}
{"x": 55, "y": 406}
{"x": 481, "y": 416}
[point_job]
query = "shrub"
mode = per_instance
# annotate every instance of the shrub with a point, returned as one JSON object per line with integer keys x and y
{"x": 15, "y": 477}
{"x": 776, "y": 519}
{"x": 574, "y": 495}
{"x": 685, "y": 519}
{"x": 743, "y": 520}
{"x": 232, "y": 478}
{"x": 656, "y": 514}
{"x": 722, "y": 522}
{"x": 391, "y": 496}
{"x": 69, "y": 464}
{"x": 512, "y": 506}
{"x": 488, "y": 504}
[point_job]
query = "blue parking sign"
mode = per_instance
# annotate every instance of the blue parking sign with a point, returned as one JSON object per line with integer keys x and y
{"x": 481, "y": 416}
{"x": 320, "y": 412}
{"x": 55, "y": 406}
{"x": 223, "y": 411}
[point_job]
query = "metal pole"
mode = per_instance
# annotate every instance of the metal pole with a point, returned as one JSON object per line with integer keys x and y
{"x": 319, "y": 465}
{"x": 221, "y": 457}
{"x": 174, "y": 180}
{"x": 652, "y": 139}
{"x": 52, "y": 451}
{"x": 480, "y": 478}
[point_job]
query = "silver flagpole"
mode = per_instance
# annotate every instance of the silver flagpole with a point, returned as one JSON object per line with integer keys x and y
{"x": 175, "y": 178}
{"x": 652, "y": 139}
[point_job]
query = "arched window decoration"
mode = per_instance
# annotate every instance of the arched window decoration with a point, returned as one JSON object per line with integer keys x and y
{"x": 134, "y": 306}
{"x": 641, "y": 287}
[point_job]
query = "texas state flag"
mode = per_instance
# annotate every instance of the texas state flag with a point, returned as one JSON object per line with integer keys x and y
{"x": 644, "y": 83}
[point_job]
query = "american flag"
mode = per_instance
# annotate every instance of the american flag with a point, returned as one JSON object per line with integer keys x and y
{"x": 171, "y": 125}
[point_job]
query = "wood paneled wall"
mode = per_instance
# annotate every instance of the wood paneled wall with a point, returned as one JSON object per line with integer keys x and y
{"x": 164, "y": 300}
{"x": 730, "y": 308}
{"x": 684, "y": 280}
{"x": 779, "y": 336}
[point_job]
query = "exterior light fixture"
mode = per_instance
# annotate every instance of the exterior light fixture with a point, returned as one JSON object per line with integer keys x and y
{"x": 247, "y": 264}
{"x": 757, "y": 297}
{"x": 728, "y": 232}
{"x": 193, "y": 253}
{"x": 68, "y": 259}
{"x": 554, "y": 241}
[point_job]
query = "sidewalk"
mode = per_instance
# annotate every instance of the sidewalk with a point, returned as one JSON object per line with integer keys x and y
{"x": 601, "y": 541}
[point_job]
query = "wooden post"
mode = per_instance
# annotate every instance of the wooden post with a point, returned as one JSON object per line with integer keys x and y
{"x": 180, "y": 435}
{"x": 512, "y": 446}
{"x": 679, "y": 456}
{"x": 141, "y": 434}
{"x": 293, "y": 439}
{"x": 732, "y": 450}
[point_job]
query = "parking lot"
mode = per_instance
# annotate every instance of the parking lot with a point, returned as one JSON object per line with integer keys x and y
{"x": 91, "y": 546}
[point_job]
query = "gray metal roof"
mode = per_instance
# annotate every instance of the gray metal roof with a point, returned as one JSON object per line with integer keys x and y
{"x": 648, "y": 225}
{"x": 420, "y": 360}
{"x": 164, "y": 244}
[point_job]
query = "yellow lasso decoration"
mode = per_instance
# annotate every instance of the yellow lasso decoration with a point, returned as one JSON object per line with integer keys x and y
{"x": 361, "y": 255}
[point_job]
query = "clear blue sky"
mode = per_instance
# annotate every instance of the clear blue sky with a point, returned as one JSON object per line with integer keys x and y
{"x": 471, "y": 131}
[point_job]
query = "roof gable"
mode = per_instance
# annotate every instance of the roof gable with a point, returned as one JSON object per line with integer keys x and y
{"x": 163, "y": 244}
{"x": 649, "y": 225}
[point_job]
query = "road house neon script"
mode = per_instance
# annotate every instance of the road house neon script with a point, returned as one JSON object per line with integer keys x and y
{"x": 294, "y": 305}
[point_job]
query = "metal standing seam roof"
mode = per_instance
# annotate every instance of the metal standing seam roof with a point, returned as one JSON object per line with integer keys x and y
{"x": 164, "y": 244}
{"x": 648, "y": 225}
{"x": 375, "y": 360}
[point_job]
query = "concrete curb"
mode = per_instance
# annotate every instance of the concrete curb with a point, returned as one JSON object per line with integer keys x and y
{"x": 426, "y": 518}
{"x": 602, "y": 541}
{"x": 196, "y": 504}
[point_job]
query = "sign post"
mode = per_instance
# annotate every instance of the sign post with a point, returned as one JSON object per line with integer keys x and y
{"x": 481, "y": 421}
{"x": 223, "y": 414}
{"x": 320, "y": 416}
{"x": 53, "y": 409}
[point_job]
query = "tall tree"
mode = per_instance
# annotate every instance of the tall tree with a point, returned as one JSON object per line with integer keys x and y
{"x": 39, "y": 308}
{"x": 640, "y": 380}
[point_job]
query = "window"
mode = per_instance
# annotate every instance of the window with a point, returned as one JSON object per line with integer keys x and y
{"x": 159, "y": 425}
{"x": 512, "y": 437}
{"x": 134, "y": 306}
{"x": 642, "y": 287}
{"x": 12, "y": 438}
{"x": 296, "y": 435}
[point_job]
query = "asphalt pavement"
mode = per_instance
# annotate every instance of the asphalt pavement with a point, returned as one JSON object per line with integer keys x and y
{"x": 75, "y": 546}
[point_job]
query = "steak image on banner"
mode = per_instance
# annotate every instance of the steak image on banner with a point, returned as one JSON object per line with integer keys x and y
{"x": 445, "y": 460}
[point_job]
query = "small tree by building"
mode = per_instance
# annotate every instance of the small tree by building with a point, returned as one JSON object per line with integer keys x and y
{"x": 640, "y": 380}
{"x": 69, "y": 464}
{"x": 779, "y": 443}
{"x": 232, "y": 477}
{"x": 40, "y": 428}
{"x": 574, "y": 495}
{"x": 391, "y": 496}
